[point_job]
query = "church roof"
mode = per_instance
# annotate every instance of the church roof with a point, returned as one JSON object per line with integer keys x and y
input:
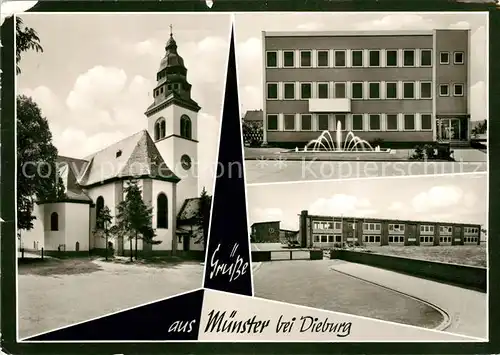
{"x": 133, "y": 157}
{"x": 172, "y": 61}
{"x": 69, "y": 170}
{"x": 189, "y": 210}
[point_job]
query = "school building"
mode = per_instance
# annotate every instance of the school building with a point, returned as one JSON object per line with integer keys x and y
{"x": 392, "y": 86}
{"x": 330, "y": 231}
{"x": 271, "y": 232}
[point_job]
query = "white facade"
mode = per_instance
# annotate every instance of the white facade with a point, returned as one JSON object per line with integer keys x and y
{"x": 173, "y": 147}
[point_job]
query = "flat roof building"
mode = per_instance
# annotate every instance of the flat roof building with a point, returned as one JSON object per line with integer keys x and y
{"x": 391, "y": 86}
{"x": 271, "y": 232}
{"x": 329, "y": 231}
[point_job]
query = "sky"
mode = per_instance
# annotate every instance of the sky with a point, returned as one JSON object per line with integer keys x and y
{"x": 445, "y": 198}
{"x": 249, "y": 27}
{"x": 95, "y": 77}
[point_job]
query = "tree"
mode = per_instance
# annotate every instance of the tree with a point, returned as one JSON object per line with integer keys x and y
{"x": 103, "y": 222}
{"x": 480, "y": 128}
{"x": 26, "y": 39}
{"x": 37, "y": 175}
{"x": 203, "y": 215}
{"x": 252, "y": 133}
{"x": 134, "y": 218}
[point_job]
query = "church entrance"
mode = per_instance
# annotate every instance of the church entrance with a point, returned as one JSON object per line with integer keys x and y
{"x": 186, "y": 243}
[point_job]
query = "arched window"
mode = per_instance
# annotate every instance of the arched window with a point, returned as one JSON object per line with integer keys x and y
{"x": 157, "y": 131}
{"x": 162, "y": 211}
{"x": 160, "y": 128}
{"x": 54, "y": 221}
{"x": 99, "y": 205}
{"x": 185, "y": 127}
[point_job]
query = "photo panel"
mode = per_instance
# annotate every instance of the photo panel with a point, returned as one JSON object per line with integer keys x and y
{"x": 405, "y": 250}
{"x": 362, "y": 94}
{"x": 203, "y": 180}
{"x": 118, "y": 119}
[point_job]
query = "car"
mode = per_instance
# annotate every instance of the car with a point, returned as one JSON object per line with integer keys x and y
{"x": 293, "y": 244}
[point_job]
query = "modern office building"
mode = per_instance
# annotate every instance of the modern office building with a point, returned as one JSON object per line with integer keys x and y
{"x": 329, "y": 231}
{"x": 271, "y": 232}
{"x": 404, "y": 86}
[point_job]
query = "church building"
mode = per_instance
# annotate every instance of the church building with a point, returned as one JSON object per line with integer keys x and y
{"x": 162, "y": 158}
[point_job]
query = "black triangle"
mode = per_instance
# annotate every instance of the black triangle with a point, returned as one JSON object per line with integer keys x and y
{"x": 145, "y": 323}
{"x": 228, "y": 229}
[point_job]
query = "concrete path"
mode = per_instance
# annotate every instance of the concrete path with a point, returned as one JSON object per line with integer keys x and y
{"x": 466, "y": 308}
{"x": 282, "y": 171}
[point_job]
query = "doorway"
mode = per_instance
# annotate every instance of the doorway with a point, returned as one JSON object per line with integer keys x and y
{"x": 451, "y": 129}
{"x": 186, "y": 242}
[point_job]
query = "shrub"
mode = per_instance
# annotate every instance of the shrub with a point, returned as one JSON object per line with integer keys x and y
{"x": 377, "y": 142}
{"x": 429, "y": 151}
{"x": 418, "y": 153}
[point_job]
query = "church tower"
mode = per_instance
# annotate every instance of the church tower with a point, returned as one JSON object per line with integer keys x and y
{"x": 173, "y": 122}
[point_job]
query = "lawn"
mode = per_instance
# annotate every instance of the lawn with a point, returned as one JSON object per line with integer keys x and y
{"x": 56, "y": 293}
{"x": 472, "y": 255}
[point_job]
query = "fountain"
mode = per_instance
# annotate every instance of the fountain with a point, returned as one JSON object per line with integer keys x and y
{"x": 352, "y": 143}
{"x": 352, "y": 146}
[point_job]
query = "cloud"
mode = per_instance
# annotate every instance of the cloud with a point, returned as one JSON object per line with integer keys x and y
{"x": 395, "y": 206}
{"x": 249, "y": 62}
{"x": 478, "y": 96}
{"x": 8, "y": 8}
{"x": 79, "y": 144}
{"x": 45, "y": 98}
{"x": 341, "y": 204}
{"x": 397, "y": 21}
{"x": 96, "y": 87}
{"x": 310, "y": 26}
{"x": 438, "y": 198}
{"x": 270, "y": 214}
{"x": 205, "y": 60}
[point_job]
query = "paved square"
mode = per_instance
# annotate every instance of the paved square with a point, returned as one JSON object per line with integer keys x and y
{"x": 53, "y": 295}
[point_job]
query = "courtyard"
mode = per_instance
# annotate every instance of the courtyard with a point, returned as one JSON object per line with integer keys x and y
{"x": 57, "y": 293}
{"x": 368, "y": 291}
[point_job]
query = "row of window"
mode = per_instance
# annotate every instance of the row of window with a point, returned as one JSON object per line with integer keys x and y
{"x": 393, "y": 227}
{"x": 371, "y": 238}
{"x": 391, "y": 239}
{"x": 327, "y": 225}
{"x": 170, "y": 87}
{"x": 471, "y": 230}
{"x": 426, "y": 229}
{"x": 397, "y": 228}
{"x": 357, "y": 122}
{"x": 328, "y": 238}
{"x": 358, "y": 58}
{"x": 161, "y": 212}
{"x": 445, "y": 230}
{"x": 160, "y": 130}
{"x": 389, "y": 90}
{"x": 371, "y": 226}
{"x": 396, "y": 239}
